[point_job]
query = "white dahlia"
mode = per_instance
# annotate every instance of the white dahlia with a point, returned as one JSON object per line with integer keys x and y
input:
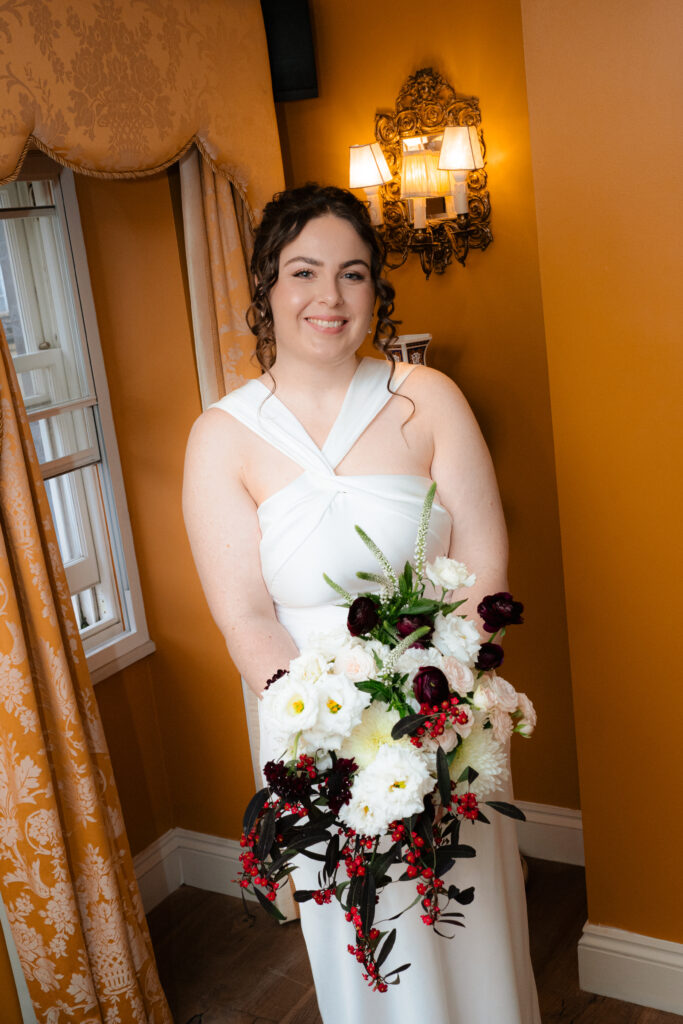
{"x": 372, "y": 732}
{"x": 481, "y": 751}
{"x": 393, "y": 786}
{"x": 457, "y": 637}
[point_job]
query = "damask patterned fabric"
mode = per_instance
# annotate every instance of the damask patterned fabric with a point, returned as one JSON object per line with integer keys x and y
{"x": 66, "y": 873}
{"x": 123, "y": 87}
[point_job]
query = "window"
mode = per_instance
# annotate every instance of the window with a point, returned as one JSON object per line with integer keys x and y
{"x": 47, "y": 312}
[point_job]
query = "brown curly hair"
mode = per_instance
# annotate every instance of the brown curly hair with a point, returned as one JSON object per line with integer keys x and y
{"x": 284, "y": 217}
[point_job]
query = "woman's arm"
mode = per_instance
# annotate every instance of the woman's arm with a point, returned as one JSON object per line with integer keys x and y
{"x": 467, "y": 488}
{"x": 221, "y": 521}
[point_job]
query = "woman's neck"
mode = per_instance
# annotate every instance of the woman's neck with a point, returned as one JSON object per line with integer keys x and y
{"x": 307, "y": 381}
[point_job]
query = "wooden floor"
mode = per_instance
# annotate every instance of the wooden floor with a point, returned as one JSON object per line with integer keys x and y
{"x": 218, "y": 968}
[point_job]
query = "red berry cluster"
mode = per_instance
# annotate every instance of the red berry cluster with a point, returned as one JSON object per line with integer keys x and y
{"x": 440, "y": 716}
{"x": 253, "y": 868}
{"x": 321, "y": 896}
{"x": 364, "y": 952}
{"x": 467, "y": 806}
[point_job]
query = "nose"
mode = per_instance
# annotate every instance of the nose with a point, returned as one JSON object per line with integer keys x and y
{"x": 330, "y": 290}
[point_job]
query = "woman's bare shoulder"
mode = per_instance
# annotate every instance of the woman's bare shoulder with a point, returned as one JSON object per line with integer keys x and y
{"x": 433, "y": 390}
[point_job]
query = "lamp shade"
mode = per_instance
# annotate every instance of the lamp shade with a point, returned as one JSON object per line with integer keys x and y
{"x": 367, "y": 166}
{"x": 460, "y": 149}
{"x": 420, "y": 175}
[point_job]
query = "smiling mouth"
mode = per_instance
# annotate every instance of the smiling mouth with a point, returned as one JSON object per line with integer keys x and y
{"x": 318, "y": 321}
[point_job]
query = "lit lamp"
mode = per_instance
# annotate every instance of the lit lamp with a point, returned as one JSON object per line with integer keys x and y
{"x": 368, "y": 169}
{"x": 421, "y": 178}
{"x": 460, "y": 153}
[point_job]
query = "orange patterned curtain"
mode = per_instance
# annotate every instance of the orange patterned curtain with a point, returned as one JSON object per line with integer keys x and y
{"x": 121, "y": 88}
{"x": 66, "y": 873}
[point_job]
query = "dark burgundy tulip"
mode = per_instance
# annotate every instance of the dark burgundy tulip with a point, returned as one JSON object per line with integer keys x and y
{"x": 407, "y": 624}
{"x": 490, "y": 656}
{"x": 363, "y": 616}
{"x": 499, "y": 610}
{"x": 430, "y": 686}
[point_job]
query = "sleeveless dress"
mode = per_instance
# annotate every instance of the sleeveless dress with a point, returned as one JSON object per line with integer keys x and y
{"x": 483, "y": 975}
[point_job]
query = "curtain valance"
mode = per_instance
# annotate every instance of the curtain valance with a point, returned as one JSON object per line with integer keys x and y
{"x": 121, "y": 88}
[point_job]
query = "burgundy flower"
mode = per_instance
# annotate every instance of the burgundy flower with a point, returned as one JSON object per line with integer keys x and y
{"x": 363, "y": 616}
{"x": 499, "y": 610}
{"x": 407, "y": 624}
{"x": 288, "y": 785}
{"x": 430, "y": 686}
{"x": 490, "y": 656}
{"x": 337, "y": 788}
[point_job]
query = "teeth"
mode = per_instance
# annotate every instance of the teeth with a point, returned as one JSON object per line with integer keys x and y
{"x": 325, "y": 323}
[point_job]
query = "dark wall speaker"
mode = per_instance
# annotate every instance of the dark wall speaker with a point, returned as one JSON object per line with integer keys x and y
{"x": 290, "y": 49}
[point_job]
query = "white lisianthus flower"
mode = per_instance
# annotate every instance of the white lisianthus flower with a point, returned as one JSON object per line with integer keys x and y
{"x": 340, "y": 707}
{"x": 309, "y": 666}
{"x": 289, "y": 707}
{"x": 481, "y": 751}
{"x": 527, "y": 722}
{"x": 502, "y": 724}
{"x": 457, "y": 637}
{"x": 449, "y": 574}
{"x": 460, "y": 677}
{"x": 373, "y": 732}
{"x": 393, "y": 786}
{"x": 355, "y": 662}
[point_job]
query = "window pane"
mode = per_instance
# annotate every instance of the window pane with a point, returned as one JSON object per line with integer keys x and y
{"x": 78, "y": 511}
{"x": 27, "y": 193}
{"x": 68, "y": 433}
{"x": 41, "y": 320}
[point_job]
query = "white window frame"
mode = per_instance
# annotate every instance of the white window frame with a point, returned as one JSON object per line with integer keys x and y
{"x": 134, "y": 643}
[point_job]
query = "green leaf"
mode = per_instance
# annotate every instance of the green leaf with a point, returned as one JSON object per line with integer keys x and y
{"x": 266, "y": 834}
{"x": 267, "y": 905}
{"x": 407, "y": 726}
{"x": 380, "y": 864}
{"x": 461, "y": 896}
{"x": 386, "y": 948}
{"x": 468, "y": 775}
{"x": 332, "y": 855}
{"x": 303, "y": 895}
{"x": 254, "y": 808}
{"x": 367, "y": 901}
{"x": 397, "y": 970}
{"x": 422, "y": 607}
{"x": 508, "y": 809}
{"x": 482, "y": 817}
{"x": 443, "y": 776}
{"x": 340, "y": 590}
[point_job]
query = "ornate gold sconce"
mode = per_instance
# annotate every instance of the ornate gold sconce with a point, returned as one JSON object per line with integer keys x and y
{"x": 430, "y": 189}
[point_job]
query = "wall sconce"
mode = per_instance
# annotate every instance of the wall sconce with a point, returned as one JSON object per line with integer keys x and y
{"x": 368, "y": 169}
{"x": 432, "y": 198}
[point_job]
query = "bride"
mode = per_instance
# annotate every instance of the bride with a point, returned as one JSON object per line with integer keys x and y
{"x": 277, "y": 475}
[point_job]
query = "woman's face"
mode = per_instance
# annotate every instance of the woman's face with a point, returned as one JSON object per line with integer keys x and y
{"x": 324, "y": 296}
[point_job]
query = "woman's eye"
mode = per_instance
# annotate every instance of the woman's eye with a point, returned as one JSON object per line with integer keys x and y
{"x": 305, "y": 274}
{"x": 353, "y": 275}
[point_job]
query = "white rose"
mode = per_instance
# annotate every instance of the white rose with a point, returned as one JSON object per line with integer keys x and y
{"x": 484, "y": 698}
{"x": 309, "y": 666}
{"x": 449, "y": 574}
{"x": 340, "y": 708}
{"x": 354, "y": 661}
{"x": 502, "y": 725}
{"x": 527, "y": 722}
{"x": 457, "y": 637}
{"x": 506, "y": 697}
{"x": 460, "y": 677}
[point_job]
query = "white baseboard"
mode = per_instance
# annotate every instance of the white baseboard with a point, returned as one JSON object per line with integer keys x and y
{"x": 181, "y": 857}
{"x": 631, "y": 967}
{"x": 551, "y": 833}
{"x": 210, "y": 862}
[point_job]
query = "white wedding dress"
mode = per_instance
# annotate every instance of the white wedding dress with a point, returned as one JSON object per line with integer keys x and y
{"x": 483, "y": 975}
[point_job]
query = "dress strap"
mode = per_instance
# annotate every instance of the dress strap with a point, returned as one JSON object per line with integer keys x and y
{"x": 272, "y": 421}
{"x": 365, "y": 399}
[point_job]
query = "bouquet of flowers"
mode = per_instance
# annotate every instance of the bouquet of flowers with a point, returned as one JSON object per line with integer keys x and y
{"x": 393, "y": 732}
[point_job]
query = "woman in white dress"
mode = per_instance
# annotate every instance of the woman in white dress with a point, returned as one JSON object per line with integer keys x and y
{"x": 277, "y": 475}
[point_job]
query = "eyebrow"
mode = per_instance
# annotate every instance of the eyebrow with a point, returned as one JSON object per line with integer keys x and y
{"x": 318, "y": 263}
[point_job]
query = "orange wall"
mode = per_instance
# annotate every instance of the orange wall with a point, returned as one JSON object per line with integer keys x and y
{"x": 174, "y": 721}
{"x": 604, "y": 83}
{"x": 486, "y": 319}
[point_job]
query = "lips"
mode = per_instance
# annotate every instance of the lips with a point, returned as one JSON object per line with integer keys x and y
{"x": 326, "y": 323}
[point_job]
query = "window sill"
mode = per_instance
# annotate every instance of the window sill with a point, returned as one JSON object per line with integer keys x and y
{"x": 106, "y": 663}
